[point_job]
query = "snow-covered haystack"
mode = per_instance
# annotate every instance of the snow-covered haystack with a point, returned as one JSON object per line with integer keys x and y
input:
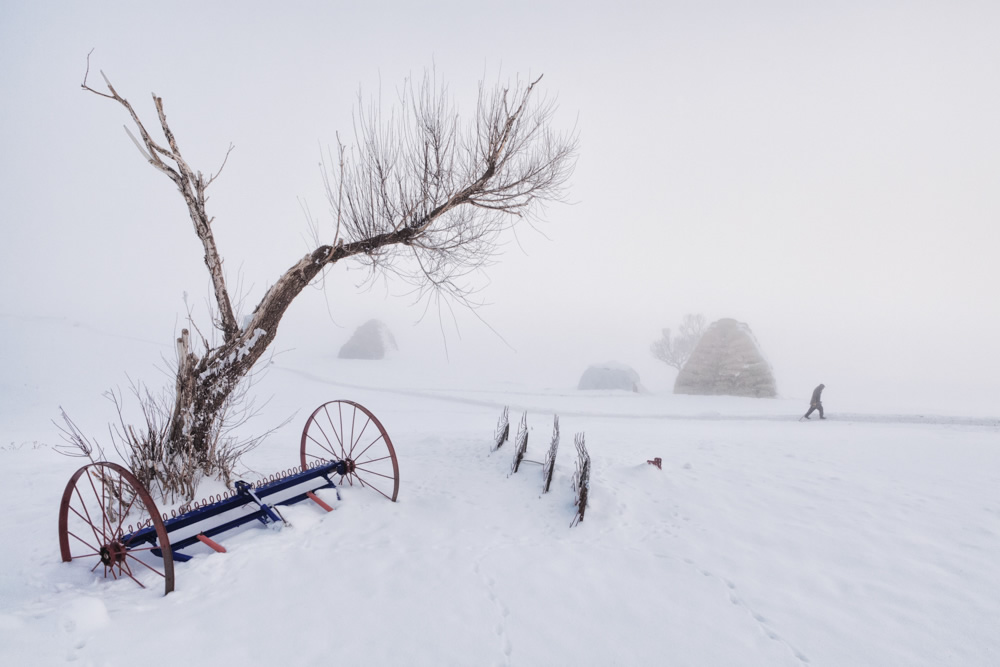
{"x": 611, "y": 375}
{"x": 370, "y": 341}
{"x": 727, "y": 361}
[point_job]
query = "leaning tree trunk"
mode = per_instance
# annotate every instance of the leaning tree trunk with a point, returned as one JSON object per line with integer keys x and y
{"x": 205, "y": 384}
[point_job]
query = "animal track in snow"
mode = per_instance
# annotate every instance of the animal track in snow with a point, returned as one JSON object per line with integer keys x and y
{"x": 734, "y": 598}
{"x": 501, "y": 627}
{"x": 759, "y": 618}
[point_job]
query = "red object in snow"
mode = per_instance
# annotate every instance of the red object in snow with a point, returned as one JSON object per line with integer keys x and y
{"x": 658, "y": 462}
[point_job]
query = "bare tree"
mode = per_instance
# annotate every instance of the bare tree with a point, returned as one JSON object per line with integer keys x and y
{"x": 421, "y": 195}
{"x": 676, "y": 351}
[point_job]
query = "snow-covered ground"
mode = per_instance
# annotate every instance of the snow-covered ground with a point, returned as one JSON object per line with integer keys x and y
{"x": 869, "y": 539}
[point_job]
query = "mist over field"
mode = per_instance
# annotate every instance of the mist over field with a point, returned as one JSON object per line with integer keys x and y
{"x": 825, "y": 174}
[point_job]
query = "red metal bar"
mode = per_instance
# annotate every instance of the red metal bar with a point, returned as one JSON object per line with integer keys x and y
{"x": 319, "y": 501}
{"x": 208, "y": 541}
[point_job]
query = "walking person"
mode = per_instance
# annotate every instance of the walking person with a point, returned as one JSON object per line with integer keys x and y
{"x": 816, "y": 403}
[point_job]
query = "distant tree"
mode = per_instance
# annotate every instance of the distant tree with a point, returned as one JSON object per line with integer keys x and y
{"x": 422, "y": 196}
{"x": 676, "y": 351}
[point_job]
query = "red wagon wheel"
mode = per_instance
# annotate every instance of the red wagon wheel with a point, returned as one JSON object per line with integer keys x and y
{"x": 103, "y": 510}
{"x": 348, "y": 432}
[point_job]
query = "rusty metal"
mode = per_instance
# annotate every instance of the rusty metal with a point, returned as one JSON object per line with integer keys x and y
{"x": 319, "y": 501}
{"x": 212, "y": 544}
{"x": 340, "y": 439}
{"x": 339, "y": 431}
{"x": 100, "y": 517}
{"x": 658, "y": 462}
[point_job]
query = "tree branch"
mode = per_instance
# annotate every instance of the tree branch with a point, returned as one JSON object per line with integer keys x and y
{"x": 192, "y": 187}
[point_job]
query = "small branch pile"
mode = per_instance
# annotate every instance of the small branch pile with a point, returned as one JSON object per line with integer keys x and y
{"x": 548, "y": 468}
{"x": 581, "y": 478}
{"x": 520, "y": 443}
{"x": 502, "y": 432}
{"x": 79, "y": 446}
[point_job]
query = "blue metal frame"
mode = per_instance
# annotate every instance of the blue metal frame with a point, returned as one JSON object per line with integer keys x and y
{"x": 298, "y": 485}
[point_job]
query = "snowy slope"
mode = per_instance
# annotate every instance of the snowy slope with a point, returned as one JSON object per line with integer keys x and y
{"x": 868, "y": 539}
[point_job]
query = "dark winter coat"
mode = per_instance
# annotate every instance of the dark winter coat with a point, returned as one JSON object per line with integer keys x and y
{"x": 816, "y": 395}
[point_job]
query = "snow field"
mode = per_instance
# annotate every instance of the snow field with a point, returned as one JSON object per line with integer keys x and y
{"x": 864, "y": 540}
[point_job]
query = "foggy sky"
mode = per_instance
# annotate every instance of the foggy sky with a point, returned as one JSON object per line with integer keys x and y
{"x": 827, "y": 174}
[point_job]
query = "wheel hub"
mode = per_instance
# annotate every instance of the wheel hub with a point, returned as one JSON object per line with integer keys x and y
{"x": 113, "y": 553}
{"x": 344, "y": 467}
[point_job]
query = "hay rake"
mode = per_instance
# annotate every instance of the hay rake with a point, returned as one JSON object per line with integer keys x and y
{"x": 108, "y": 518}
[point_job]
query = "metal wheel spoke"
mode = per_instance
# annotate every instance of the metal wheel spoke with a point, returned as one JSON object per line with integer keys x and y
{"x": 355, "y": 441}
{"x": 333, "y": 427}
{"x": 143, "y": 549}
{"x": 128, "y": 572}
{"x": 89, "y": 521}
{"x": 372, "y": 472}
{"x": 121, "y": 492}
{"x": 340, "y": 433}
{"x": 104, "y": 510}
{"x": 330, "y": 444}
{"x": 376, "y": 489}
{"x": 149, "y": 567}
{"x": 124, "y": 566}
{"x": 354, "y": 417}
{"x": 362, "y": 453}
{"x": 104, "y": 517}
{"x": 369, "y": 484}
{"x": 320, "y": 444}
{"x": 128, "y": 509}
{"x": 84, "y": 541}
{"x": 370, "y": 461}
{"x": 104, "y": 506}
